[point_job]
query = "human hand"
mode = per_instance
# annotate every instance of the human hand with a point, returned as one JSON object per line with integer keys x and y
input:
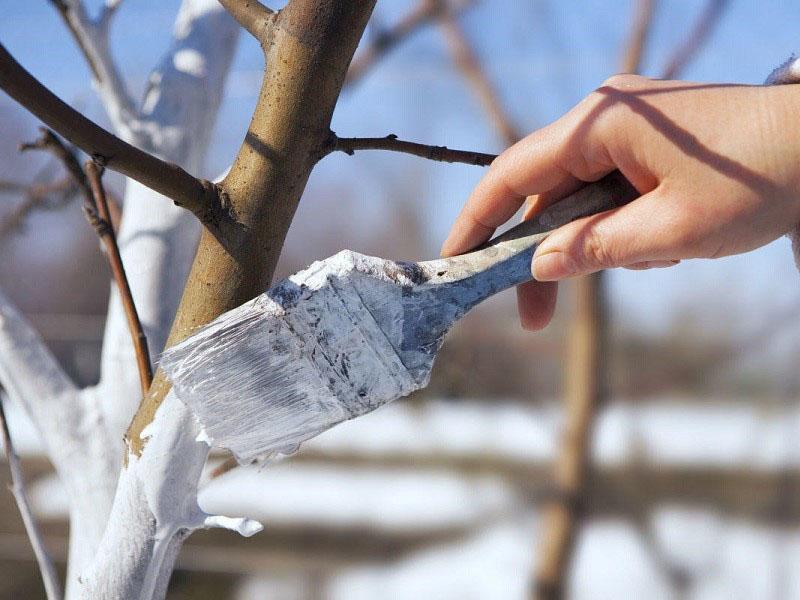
{"x": 718, "y": 167}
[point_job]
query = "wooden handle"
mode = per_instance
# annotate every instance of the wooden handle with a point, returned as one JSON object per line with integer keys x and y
{"x": 609, "y": 192}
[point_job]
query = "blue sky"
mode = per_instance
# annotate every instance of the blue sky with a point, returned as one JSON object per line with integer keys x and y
{"x": 543, "y": 56}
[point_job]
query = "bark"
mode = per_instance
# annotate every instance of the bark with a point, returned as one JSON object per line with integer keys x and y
{"x": 155, "y": 507}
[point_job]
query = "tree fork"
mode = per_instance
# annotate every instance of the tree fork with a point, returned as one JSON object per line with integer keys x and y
{"x": 308, "y": 49}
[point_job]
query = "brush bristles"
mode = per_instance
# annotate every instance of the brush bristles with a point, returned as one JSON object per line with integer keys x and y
{"x": 280, "y": 369}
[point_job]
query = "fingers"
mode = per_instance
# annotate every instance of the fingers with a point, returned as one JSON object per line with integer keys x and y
{"x": 650, "y": 231}
{"x": 537, "y": 302}
{"x": 541, "y": 163}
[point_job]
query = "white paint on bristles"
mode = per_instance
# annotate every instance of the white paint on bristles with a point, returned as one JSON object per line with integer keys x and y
{"x": 306, "y": 356}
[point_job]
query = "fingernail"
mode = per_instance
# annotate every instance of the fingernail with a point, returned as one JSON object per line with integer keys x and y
{"x": 553, "y": 266}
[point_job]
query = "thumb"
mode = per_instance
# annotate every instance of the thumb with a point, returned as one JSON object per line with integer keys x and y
{"x": 643, "y": 230}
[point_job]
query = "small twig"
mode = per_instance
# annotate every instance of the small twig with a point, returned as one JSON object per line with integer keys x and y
{"x": 92, "y": 40}
{"x": 49, "y": 196}
{"x": 50, "y": 143}
{"x": 98, "y": 215}
{"x": 694, "y": 41}
{"x": 385, "y": 40}
{"x": 466, "y": 60}
{"x": 107, "y": 13}
{"x": 95, "y": 207}
{"x": 199, "y": 196}
{"x": 391, "y": 143}
{"x": 634, "y": 50}
{"x": 252, "y": 15}
{"x": 13, "y": 187}
{"x": 52, "y": 585}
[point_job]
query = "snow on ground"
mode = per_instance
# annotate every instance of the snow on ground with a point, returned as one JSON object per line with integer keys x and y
{"x": 723, "y": 558}
{"x": 380, "y": 499}
{"x": 723, "y": 434}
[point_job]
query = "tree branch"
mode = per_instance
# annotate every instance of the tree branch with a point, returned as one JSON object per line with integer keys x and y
{"x": 694, "y": 41}
{"x": 468, "y": 63}
{"x": 252, "y": 15}
{"x": 199, "y": 196}
{"x": 92, "y": 38}
{"x": 634, "y": 49}
{"x": 95, "y": 207}
{"x": 50, "y": 143}
{"x": 52, "y": 585}
{"x": 99, "y": 217}
{"x": 384, "y": 41}
{"x": 391, "y": 143}
{"x": 585, "y": 373}
{"x": 49, "y": 196}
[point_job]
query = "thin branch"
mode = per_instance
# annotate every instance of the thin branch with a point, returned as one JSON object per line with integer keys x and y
{"x": 468, "y": 63}
{"x": 107, "y": 13}
{"x": 48, "y": 196}
{"x": 98, "y": 215}
{"x": 585, "y": 391}
{"x": 13, "y": 187}
{"x": 694, "y": 41}
{"x": 252, "y": 15}
{"x": 634, "y": 50}
{"x": 425, "y": 12}
{"x": 50, "y": 143}
{"x": 92, "y": 40}
{"x": 95, "y": 207}
{"x": 52, "y": 585}
{"x": 199, "y": 196}
{"x": 391, "y": 143}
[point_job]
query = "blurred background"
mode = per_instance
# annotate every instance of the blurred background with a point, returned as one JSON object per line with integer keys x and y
{"x": 683, "y": 391}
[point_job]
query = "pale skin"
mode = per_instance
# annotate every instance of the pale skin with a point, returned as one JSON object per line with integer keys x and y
{"x": 717, "y": 167}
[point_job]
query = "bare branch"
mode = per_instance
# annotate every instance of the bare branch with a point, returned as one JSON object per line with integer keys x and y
{"x": 50, "y": 143}
{"x": 697, "y": 37}
{"x": 468, "y": 63}
{"x": 423, "y": 13}
{"x": 96, "y": 209}
{"x": 52, "y": 585}
{"x": 13, "y": 187}
{"x": 252, "y": 15}
{"x": 47, "y": 196}
{"x": 199, "y": 196}
{"x": 634, "y": 50}
{"x": 107, "y": 13}
{"x": 585, "y": 391}
{"x": 92, "y": 40}
{"x": 98, "y": 215}
{"x": 391, "y": 143}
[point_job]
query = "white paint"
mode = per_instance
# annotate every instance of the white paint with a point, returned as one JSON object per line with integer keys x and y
{"x": 306, "y": 356}
{"x": 190, "y": 62}
{"x": 113, "y": 543}
{"x": 139, "y": 546}
{"x": 156, "y": 508}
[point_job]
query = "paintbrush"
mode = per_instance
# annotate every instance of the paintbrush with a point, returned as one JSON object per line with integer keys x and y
{"x": 348, "y": 334}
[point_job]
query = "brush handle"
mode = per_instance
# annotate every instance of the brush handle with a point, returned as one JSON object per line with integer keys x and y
{"x": 505, "y": 260}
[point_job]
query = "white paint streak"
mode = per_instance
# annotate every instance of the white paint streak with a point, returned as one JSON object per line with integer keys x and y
{"x": 190, "y": 61}
{"x": 292, "y": 380}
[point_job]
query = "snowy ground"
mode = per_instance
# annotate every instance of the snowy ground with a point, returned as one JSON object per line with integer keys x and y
{"x": 719, "y": 558}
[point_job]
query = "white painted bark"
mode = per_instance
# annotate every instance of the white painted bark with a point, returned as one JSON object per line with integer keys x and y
{"x": 155, "y": 507}
{"x": 138, "y": 531}
{"x": 70, "y": 426}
